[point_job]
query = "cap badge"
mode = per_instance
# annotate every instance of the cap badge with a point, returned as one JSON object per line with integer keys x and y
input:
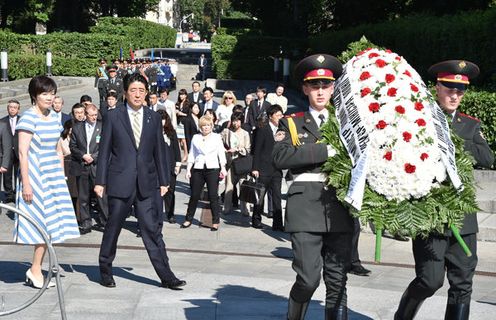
{"x": 321, "y": 72}
{"x": 462, "y": 64}
{"x": 458, "y": 77}
{"x": 320, "y": 58}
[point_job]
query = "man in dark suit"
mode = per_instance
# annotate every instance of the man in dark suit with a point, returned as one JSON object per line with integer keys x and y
{"x": 9, "y": 181}
{"x": 264, "y": 169}
{"x": 5, "y": 148}
{"x": 440, "y": 253}
{"x": 208, "y": 101}
{"x": 84, "y": 145}
{"x": 134, "y": 171}
{"x": 58, "y": 104}
{"x": 320, "y": 226}
{"x": 195, "y": 95}
{"x": 202, "y": 66}
{"x": 257, "y": 107}
{"x": 113, "y": 83}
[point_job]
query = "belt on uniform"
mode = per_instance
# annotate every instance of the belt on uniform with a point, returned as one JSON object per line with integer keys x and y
{"x": 310, "y": 177}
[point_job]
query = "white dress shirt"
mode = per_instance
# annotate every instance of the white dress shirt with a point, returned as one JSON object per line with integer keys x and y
{"x": 315, "y": 114}
{"x": 90, "y": 128}
{"x": 207, "y": 151}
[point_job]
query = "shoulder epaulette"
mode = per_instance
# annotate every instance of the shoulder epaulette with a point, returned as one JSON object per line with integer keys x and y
{"x": 295, "y": 115}
{"x": 467, "y": 116}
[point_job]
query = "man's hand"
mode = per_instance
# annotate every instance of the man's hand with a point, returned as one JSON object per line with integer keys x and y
{"x": 255, "y": 173}
{"x": 3, "y": 170}
{"x": 88, "y": 158}
{"x": 99, "y": 190}
{"x": 163, "y": 190}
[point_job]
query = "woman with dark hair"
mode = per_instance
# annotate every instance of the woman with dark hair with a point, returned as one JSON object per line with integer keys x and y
{"x": 66, "y": 151}
{"x": 170, "y": 138}
{"x": 182, "y": 111}
{"x": 216, "y": 128}
{"x": 191, "y": 123}
{"x": 237, "y": 143}
{"x": 42, "y": 192}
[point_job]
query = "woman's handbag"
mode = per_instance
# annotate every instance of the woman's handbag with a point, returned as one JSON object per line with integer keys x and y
{"x": 242, "y": 165}
{"x": 252, "y": 191}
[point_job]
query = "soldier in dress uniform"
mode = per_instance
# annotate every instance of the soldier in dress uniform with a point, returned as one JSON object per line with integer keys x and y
{"x": 100, "y": 79}
{"x": 321, "y": 227}
{"x": 113, "y": 83}
{"x": 441, "y": 252}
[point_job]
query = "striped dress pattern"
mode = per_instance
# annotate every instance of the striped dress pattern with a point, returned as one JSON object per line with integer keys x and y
{"x": 52, "y": 205}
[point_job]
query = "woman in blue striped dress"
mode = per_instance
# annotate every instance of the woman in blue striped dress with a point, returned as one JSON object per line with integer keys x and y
{"x": 42, "y": 191}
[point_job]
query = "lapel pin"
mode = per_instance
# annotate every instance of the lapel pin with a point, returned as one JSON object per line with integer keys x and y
{"x": 458, "y": 120}
{"x": 300, "y": 135}
{"x": 307, "y": 121}
{"x": 305, "y": 135}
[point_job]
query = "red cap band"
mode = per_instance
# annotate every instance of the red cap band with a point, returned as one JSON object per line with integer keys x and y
{"x": 319, "y": 74}
{"x": 450, "y": 77}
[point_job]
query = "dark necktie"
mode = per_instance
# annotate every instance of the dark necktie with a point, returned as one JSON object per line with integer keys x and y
{"x": 322, "y": 120}
{"x": 259, "y": 105}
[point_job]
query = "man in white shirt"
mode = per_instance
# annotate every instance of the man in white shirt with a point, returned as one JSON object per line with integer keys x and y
{"x": 168, "y": 105}
{"x": 278, "y": 98}
{"x": 153, "y": 101}
{"x": 58, "y": 104}
{"x": 196, "y": 95}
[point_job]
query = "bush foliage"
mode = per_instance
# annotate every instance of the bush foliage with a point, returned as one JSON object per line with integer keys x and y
{"x": 424, "y": 40}
{"x": 76, "y": 54}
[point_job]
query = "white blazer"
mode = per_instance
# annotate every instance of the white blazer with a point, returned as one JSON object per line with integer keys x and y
{"x": 207, "y": 151}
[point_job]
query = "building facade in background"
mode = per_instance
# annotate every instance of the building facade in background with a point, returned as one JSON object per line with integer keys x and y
{"x": 165, "y": 14}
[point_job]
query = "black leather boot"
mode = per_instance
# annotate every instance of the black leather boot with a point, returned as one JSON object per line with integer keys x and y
{"x": 408, "y": 307}
{"x": 337, "y": 313}
{"x": 296, "y": 310}
{"x": 458, "y": 311}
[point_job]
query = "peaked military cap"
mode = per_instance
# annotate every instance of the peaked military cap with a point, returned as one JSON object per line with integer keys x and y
{"x": 111, "y": 68}
{"x": 318, "y": 67}
{"x": 454, "y": 74}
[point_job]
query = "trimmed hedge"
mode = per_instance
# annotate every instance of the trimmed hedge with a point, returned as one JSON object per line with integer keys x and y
{"x": 248, "y": 56}
{"x": 481, "y": 104}
{"x": 424, "y": 40}
{"x": 76, "y": 54}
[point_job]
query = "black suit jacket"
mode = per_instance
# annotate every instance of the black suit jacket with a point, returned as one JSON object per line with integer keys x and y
{"x": 175, "y": 153}
{"x": 262, "y": 152}
{"x": 6, "y": 149}
{"x": 117, "y": 86}
{"x": 77, "y": 145}
{"x": 214, "y": 107}
{"x": 199, "y": 100}
{"x": 190, "y": 129}
{"x": 123, "y": 167}
{"x": 254, "y": 111}
{"x": 15, "y": 138}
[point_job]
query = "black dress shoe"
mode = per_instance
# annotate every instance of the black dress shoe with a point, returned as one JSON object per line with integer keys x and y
{"x": 270, "y": 215}
{"x": 98, "y": 227}
{"x": 359, "y": 271}
{"x": 84, "y": 230}
{"x": 107, "y": 282}
{"x": 173, "y": 284}
{"x": 257, "y": 225}
{"x": 138, "y": 233}
{"x": 184, "y": 225}
{"x": 172, "y": 220}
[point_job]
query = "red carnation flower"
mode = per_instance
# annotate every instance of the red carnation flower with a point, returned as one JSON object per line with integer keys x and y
{"x": 399, "y": 109}
{"x": 407, "y": 73}
{"x": 365, "y": 75}
{"x": 360, "y": 53}
{"x": 410, "y": 168}
{"x": 413, "y": 87}
{"x": 407, "y": 136}
{"x": 381, "y": 124}
{"x": 380, "y": 63}
{"x": 419, "y": 106}
{"x": 424, "y": 156}
{"x": 365, "y": 91}
{"x": 388, "y": 51}
{"x": 390, "y": 78}
{"x": 398, "y": 58}
{"x": 373, "y": 55}
{"x": 388, "y": 156}
{"x": 374, "y": 107}
{"x": 392, "y": 92}
{"x": 420, "y": 122}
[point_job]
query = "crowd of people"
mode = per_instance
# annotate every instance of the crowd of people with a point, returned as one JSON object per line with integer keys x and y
{"x": 104, "y": 162}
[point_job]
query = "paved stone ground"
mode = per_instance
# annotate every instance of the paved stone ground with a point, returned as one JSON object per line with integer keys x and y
{"x": 235, "y": 273}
